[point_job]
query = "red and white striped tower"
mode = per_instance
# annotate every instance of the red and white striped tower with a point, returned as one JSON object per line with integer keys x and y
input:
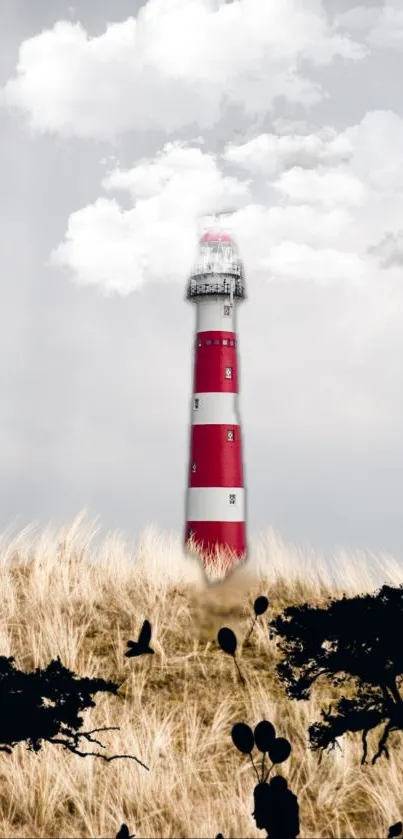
{"x": 215, "y": 508}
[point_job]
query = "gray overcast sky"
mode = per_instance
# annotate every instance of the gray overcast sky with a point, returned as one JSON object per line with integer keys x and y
{"x": 119, "y": 123}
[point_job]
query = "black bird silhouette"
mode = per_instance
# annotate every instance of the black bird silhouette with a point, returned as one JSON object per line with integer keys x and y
{"x": 141, "y": 647}
{"x": 395, "y": 829}
{"x": 123, "y": 833}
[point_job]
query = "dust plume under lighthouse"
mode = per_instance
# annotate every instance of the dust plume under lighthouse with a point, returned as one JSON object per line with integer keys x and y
{"x": 215, "y": 502}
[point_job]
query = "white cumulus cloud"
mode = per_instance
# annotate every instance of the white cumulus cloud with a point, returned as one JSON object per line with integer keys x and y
{"x": 380, "y": 26}
{"x": 319, "y": 222}
{"x": 290, "y": 260}
{"x": 377, "y": 143}
{"x": 389, "y": 249}
{"x": 177, "y": 63}
{"x": 271, "y": 153}
{"x": 321, "y": 187}
{"x": 318, "y": 229}
{"x": 154, "y": 240}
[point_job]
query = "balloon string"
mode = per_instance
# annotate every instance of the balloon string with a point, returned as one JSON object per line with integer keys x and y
{"x": 240, "y": 674}
{"x": 264, "y": 757}
{"x": 257, "y": 773}
{"x": 250, "y": 631}
{"x": 273, "y": 764}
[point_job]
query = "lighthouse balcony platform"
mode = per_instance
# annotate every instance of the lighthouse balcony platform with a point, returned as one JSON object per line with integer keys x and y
{"x": 215, "y": 284}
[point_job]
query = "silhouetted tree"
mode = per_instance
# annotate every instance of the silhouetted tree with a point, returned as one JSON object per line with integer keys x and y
{"x": 25, "y": 712}
{"x": 355, "y": 639}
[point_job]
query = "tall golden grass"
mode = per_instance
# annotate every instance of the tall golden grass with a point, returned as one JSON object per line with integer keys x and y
{"x": 61, "y": 596}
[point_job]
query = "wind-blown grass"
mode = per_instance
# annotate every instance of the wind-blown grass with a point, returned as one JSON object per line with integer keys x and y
{"x": 61, "y": 596}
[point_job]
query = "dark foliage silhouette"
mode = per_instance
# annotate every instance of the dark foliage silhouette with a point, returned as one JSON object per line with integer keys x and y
{"x": 276, "y": 809}
{"x": 123, "y": 833}
{"x": 320, "y": 642}
{"x": 24, "y": 715}
{"x": 228, "y": 642}
{"x": 142, "y": 646}
{"x": 260, "y": 606}
{"x": 395, "y": 830}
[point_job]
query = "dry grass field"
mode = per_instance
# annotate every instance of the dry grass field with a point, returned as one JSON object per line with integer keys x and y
{"x": 61, "y": 596}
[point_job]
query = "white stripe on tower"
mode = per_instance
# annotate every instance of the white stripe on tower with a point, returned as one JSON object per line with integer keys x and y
{"x": 217, "y": 503}
{"x": 210, "y": 316}
{"x": 215, "y": 409}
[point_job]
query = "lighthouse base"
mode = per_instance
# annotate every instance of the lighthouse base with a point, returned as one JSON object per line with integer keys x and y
{"x": 226, "y": 536}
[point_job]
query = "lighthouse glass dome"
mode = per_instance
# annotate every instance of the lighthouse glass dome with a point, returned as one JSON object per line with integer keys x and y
{"x": 217, "y": 268}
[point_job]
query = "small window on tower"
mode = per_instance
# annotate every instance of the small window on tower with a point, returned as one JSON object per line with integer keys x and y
{"x": 231, "y": 343}
{"x": 217, "y": 342}
{"x": 227, "y": 311}
{"x": 230, "y": 434}
{"x": 199, "y": 343}
{"x": 228, "y": 372}
{"x": 232, "y": 499}
{"x": 193, "y": 467}
{"x": 208, "y": 342}
{"x": 225, "y": 341}
{"x": 197, "y": 401}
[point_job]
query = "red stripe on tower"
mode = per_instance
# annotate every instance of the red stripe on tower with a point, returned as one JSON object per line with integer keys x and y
{"x": 223, "y": 466}
{"x": 216, "y": 495}
{"x": 215, "y": 369}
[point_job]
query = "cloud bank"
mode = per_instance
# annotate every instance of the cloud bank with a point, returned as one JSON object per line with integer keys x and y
{"x": 381, "y": 27}
{"x": 327, "y": 200}
{"x": 313, "y": 201}
{"x": 176, "y": 64}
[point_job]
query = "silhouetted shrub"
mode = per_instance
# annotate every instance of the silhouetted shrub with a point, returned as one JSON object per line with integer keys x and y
{"x": 25, "y": 712}
{"x": 356, "y": 639}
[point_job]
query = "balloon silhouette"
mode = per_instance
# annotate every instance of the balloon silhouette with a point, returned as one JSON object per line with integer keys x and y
{"x": 265, "y": 735}
{"x": 228, "y": 643}
{"x": 227, "y": 640}
{"x": 261, "y": 605}
{"x": 242, "y": 738}
{"x": 279, "y": 750}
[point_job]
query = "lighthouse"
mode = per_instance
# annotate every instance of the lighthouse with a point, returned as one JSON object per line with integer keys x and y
{"x": 215, "y": 502}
